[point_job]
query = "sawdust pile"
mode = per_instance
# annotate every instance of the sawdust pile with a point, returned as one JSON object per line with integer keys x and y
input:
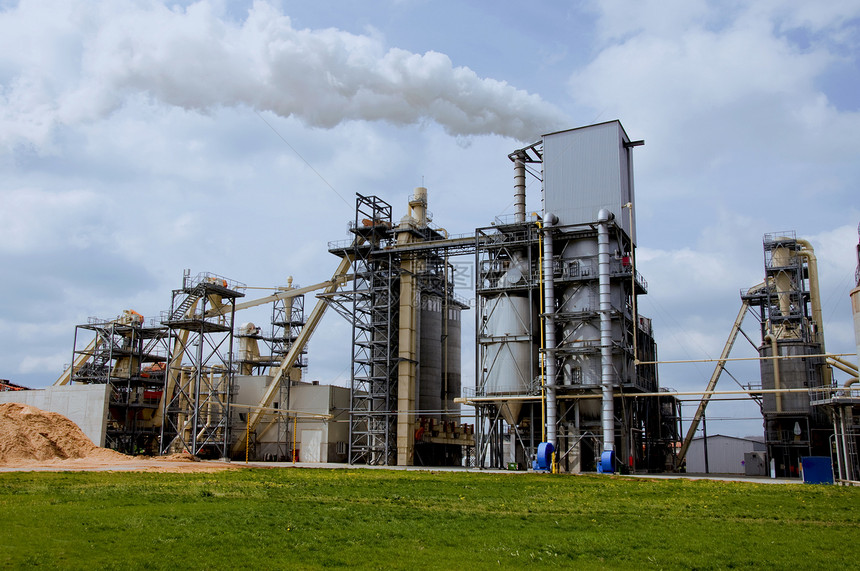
{"x": 178, "y": 457}
{"x": 30, "y": 434}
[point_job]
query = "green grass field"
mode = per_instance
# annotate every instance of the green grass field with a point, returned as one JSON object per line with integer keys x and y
{"x": 304, "y": 518}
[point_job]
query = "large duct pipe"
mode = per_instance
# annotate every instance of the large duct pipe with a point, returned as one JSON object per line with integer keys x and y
{"x": 814, "y": 292}
{"x": 519, "y": 191}
{"x": 855, "y": 309}
{"x": 549, "y": 333}
{"x": 842, "y": 365}
{"x": 606, "y": 377}
{"x": 815, "y": 298}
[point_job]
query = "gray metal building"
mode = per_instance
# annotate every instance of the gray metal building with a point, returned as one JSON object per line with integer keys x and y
{"x": 725, "y": 454}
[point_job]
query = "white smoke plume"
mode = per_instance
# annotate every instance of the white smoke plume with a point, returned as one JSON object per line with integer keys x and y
{"x": 88, "y": 58}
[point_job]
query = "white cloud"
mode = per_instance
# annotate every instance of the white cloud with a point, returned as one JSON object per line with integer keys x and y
{"x": 718, "y": 82}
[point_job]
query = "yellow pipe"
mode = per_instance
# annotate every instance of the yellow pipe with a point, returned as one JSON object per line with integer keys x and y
{"x": 844, "y": 363}
{"x": 815, "y": 297}
{"x": 842, "y": 367}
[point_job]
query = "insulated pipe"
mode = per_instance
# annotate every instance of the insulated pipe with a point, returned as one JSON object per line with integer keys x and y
{"x": 608, "y": 409}
{"x": 815, "y": 297}
{"x": 814, "y": 292}
{"x": 842, "y": 366}
{"x": 844, "y": 363}
{"x": 855, "y": 309}
{"x": 519, "y": 191}
{"x": 776, "y": 382}
{"x": 549, "y": 331}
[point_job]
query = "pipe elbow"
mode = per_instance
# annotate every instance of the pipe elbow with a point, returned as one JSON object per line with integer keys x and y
{"x": 604, "y": 216}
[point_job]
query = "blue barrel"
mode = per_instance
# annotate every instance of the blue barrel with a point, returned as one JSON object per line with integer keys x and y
{"x": 817, "y": 470}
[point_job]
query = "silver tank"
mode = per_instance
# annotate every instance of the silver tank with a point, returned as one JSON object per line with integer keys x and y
{"x": 508, "y": 355}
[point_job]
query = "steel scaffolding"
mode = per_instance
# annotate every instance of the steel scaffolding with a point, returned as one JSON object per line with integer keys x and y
{"x": 371, "y": 307}
{"x": 200, "y": 366}
{"x": 129, "y": 356}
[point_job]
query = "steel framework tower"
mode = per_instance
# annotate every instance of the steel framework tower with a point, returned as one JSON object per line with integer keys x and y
{"x": 371, "y": 307}
{"x": 130, "y": 356}
{"x": 288, "y": 318}
{"x": 200, "y": 366}
{"x": 790, "y": 326}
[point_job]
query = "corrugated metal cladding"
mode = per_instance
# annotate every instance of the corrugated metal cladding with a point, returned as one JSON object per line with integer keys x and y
{"x": 587, "y": 169}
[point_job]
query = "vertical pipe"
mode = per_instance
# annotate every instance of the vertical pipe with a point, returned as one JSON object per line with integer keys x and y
{"x": 519, "y": 191}
{"x": 549, "y": 332}
{"x": 815, "y": 298}
{"x": 608, "y": 408}
{"x": 542, "y": 336}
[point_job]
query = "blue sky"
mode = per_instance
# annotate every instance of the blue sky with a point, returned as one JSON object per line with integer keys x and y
{"x": 136, "y": 140}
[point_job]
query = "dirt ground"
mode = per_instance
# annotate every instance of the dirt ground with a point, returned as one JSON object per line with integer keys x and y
{"x": 129, "y": 464}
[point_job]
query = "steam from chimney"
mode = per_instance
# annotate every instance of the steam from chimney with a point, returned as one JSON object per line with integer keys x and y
{"x": 89, "y": 58}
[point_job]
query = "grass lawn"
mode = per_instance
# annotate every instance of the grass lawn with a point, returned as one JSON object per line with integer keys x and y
{"x": 305, "y": 518}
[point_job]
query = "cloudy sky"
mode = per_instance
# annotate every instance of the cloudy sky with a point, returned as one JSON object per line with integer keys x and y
{"x": 140, "y": 138}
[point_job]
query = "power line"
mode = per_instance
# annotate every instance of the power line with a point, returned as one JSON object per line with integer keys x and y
{"x": 303, "y": 159}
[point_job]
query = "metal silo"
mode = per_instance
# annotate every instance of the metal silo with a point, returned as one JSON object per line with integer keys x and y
{"x": 430, "y": 357}
{"x": 451, "y": 378}
{"x": 509, "y": 328}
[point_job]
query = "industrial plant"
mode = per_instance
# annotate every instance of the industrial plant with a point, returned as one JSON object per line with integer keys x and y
{"x": 565, "y": 368}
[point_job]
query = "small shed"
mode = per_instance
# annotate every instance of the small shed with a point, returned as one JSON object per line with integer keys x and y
{"x": 725, "y": 454}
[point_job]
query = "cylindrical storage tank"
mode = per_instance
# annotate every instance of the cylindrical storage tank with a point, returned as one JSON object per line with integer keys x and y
{"x": 782, "y": 257}
{"x": 430, "y": 358}
{"x": 507, "y": 359}
{"x": 451, "y": 349}
{"x": 793, "y": 374}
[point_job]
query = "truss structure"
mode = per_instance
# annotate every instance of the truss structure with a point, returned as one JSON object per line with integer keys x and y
{"x": 371, "y": 307}
{"x": 129, "y": 356}
{"x": 196, "y": 416}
